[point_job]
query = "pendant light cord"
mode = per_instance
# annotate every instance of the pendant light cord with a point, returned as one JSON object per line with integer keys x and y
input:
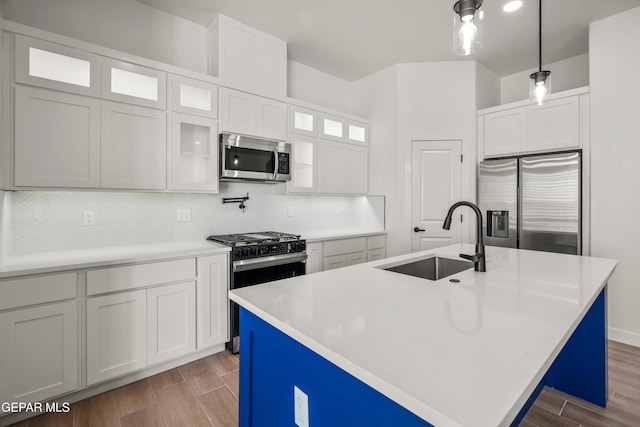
{"x": 540, "y": 36}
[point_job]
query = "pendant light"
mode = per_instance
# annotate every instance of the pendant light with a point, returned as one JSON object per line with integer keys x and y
{"x": 540, "y": 83}
{"x": 467, "y": 27}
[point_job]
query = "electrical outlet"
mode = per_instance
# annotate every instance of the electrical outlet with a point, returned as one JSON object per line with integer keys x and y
{"x": 338, "y": 210}
{"x": 89, "y": 218}
{"x": 300, "y": 407}
{"x": 184, "y": 215}
{"x": 290, "y": 211}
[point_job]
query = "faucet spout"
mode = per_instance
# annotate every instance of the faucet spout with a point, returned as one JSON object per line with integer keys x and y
{"x": 479, "y": 257}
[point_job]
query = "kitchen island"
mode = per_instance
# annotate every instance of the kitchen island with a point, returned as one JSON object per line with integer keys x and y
{"x": 375, "y": 347}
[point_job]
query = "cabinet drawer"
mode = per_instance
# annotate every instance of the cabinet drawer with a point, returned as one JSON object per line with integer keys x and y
{"x": 139, "y": 276}
{"x": 376, "y": 242}
{"x": 344, "y": 260}
{"x": 36, "y": 290}
{"x": 375, "y": 254}
{"x": 345, "y": 246}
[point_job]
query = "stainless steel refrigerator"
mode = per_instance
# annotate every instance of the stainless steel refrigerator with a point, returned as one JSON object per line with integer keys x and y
{"x": 532, "y": 202}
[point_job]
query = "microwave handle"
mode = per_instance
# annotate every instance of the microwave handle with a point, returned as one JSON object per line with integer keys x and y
{"x": 277, "y": 163}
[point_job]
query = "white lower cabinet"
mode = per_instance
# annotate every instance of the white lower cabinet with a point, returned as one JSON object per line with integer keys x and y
{"x": 344, "y": 252}
{"x": 116, "y": 335}
{"x": 338, "y": 261}
{"x": 376, "y": 247}
{"x": 338, "y": 253}
{"x": 171, "y": 323}
{"x": 38, "y": 355}
{"x": 213, "y": 302}
{"x": 314, "y": 258}
{"x": 139, "y": 315}
{"x": 375, "y": 254}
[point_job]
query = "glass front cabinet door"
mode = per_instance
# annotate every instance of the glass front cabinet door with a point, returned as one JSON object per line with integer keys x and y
{"x": 194, "y": 157}
{"x": 303, "y": 179}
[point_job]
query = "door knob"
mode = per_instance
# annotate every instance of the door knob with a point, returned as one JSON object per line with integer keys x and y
{"x": 416, "y": 229}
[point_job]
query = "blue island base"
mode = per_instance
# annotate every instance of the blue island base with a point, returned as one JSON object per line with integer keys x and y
{"x": 272, "y": 364}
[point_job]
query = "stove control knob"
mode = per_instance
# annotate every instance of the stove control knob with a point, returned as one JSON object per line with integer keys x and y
{"x": 254, "y": 251}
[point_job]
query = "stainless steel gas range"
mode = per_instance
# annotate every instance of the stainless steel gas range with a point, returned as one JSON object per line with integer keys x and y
{"x": 258, "y": 258}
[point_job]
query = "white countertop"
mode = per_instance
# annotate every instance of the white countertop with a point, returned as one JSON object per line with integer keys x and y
{"x": 319, "y": 236}
{"x": 48, "y": 262}
{"x": 454, "y": 354}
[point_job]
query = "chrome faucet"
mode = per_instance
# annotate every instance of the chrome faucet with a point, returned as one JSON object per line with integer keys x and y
{"x": 478, "y": 258}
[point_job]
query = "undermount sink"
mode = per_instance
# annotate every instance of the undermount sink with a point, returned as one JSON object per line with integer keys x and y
{"x": 432, "y": 268}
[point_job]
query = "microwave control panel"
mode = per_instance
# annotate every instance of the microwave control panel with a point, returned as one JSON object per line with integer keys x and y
{"x": 283, "y": 163}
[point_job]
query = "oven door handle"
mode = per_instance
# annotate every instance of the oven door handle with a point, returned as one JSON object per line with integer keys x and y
{"x": 255, "y": 263}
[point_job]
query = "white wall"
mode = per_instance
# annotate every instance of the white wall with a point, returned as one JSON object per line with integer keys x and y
{"x": 5, "y": 223}
{"x": 32, "y": 222}
{"x": 435, "y": 100}
{"x": 615, "y": 174}
{"x": 376, "y": 97}
{"x": 124, "y": 25}
{"x": 567, "y": 74}
{"x": 487, "y": 87}
{"x": 317, "y": 87}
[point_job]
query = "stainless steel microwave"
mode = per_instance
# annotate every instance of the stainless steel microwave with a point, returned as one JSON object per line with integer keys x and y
{"x": 249, "y": 158}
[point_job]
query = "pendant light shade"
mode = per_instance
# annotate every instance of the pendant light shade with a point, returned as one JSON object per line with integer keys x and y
{"x": 540, "y": 81}
{"x": 467, "y": 27}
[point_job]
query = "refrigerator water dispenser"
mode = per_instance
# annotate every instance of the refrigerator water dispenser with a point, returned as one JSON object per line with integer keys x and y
{"x": 498, "y": 224}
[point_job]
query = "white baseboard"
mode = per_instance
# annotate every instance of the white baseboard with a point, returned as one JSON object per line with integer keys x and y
{"x": 625, "y": 337}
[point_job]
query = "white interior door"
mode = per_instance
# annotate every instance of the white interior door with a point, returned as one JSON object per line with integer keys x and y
{"x": 436, "y": 184}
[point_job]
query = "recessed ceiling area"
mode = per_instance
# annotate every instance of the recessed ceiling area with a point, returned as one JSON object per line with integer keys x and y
{"x": 351, "y": 39}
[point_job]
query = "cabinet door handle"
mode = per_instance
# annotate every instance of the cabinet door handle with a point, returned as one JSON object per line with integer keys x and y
{"x": 416, "y": 229}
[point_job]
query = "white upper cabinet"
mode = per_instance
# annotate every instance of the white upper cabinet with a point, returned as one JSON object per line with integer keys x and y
{"x": 357, "y": 133}
{"x": 553, "y": 125}
{"x": 522, "y": 128}
{"x": 303, "y": 121}
{"x": 133, "y": 147}
{"x": 194, "y": 154}
{"x": 254, "y": 115}
{"x": 342, "y": 168}
{"x": 303, "y": 179}
{"x": 329, "y": 153}
{"x": 41, "y": 63}
{"x": 57, "y": 139}
{"x": 344, "y": 130}
{"x": 505, "y": 132}
{"x": 247, "y": 58}
{"x": 133, "y": 84}
{"x": 332, "y": 127}
{"x": 192, "y": 96}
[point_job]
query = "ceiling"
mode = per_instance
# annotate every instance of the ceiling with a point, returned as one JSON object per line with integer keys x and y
{"x": 353, "y": 38}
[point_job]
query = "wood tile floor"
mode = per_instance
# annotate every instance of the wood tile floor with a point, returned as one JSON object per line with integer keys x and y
{"x": 201, "y": 393}
{"x": 205, "y": 393}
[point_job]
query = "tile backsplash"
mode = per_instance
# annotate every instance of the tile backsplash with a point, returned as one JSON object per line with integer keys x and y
{"x": 32, "y": 222}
